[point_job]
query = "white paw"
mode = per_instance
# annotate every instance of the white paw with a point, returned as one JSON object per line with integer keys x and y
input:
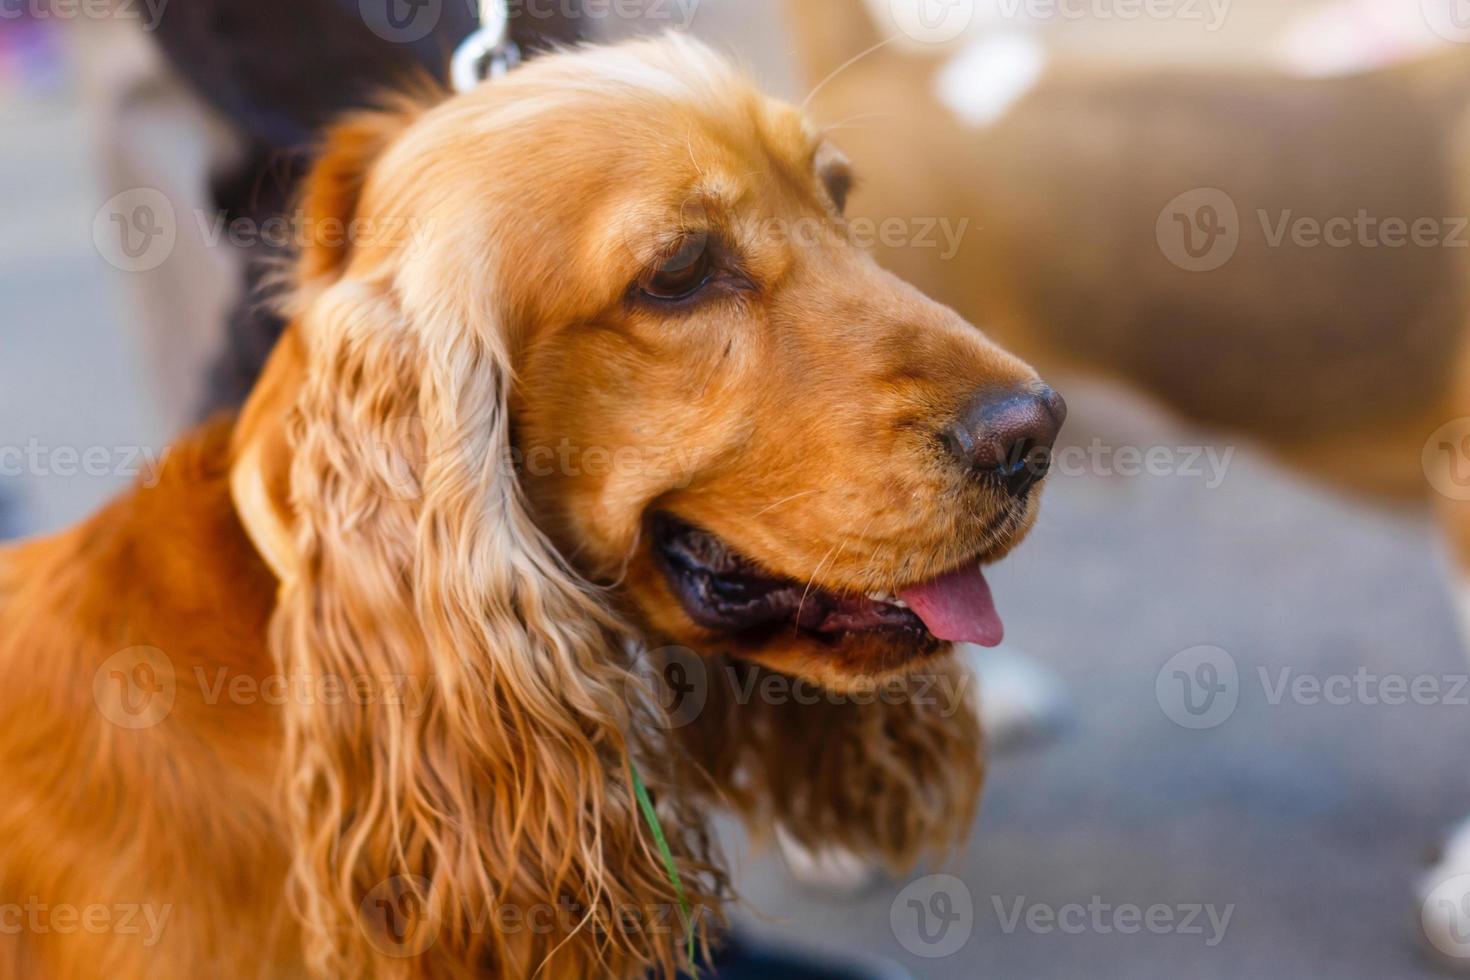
{"x": 1444, "y": 896}
{"x": 1020, "y": 701}
{"x": 832, "y": 869}
{"x": 989, "y": 76}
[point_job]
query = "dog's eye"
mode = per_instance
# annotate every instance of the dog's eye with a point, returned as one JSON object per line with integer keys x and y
{"x": 839, "y": 187}
{"x": 681, "y": 274}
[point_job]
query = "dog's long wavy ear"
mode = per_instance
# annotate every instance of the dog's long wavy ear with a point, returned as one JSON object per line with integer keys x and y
{"x": 891, "y": 772}
{"x": 459, "y": 783}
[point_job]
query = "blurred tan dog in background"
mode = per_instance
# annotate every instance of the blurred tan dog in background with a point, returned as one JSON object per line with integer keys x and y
{"x": 1262, "y": 252}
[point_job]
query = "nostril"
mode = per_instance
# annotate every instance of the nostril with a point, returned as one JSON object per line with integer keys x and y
{"x": 959, "y": 441}
{"x": 1027, "y": 464}
{"x": 1007, "y": 435}
{"x": 1016, "y": 459}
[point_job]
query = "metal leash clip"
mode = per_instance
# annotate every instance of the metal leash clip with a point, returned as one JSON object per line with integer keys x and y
{"x": 488, "y": 52}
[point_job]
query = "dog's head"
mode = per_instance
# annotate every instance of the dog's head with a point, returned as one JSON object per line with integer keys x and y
{"x": 724, "y": 405}
{"x": 590, "y": 346}
{"x": 719, "y": 402}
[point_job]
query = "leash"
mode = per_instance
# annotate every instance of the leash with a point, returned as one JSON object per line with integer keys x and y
{"x": 670, "y": 868}
{"x": 488, "y": 52}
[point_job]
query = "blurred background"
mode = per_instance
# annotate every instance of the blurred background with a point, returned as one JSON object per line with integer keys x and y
{"x": 1291, "y": 831}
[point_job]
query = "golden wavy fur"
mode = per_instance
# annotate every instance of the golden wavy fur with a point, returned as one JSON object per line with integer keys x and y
{"x": 443, "y": 784}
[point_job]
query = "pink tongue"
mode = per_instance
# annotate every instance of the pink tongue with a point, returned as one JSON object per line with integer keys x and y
{"x": 958, "y": 607}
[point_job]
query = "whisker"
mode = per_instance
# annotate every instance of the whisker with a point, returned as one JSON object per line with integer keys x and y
{"x": 796, "y": 627}
{"x": 847, "y": 123}
{"x": 1011, "y": 519}
{"x": 841, "y": 543}
{"x": 844, "y": 66}
{"x": 628, "y": 559}
{"x": 786, "y": 500}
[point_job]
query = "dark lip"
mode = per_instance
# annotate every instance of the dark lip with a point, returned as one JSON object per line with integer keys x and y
{"x": 724, "y": 591}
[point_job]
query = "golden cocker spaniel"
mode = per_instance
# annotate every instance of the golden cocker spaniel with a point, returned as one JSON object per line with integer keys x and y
{"x": 359, "y": 687}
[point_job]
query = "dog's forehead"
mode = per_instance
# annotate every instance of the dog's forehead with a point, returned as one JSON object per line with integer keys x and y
{"x": 602, "y": 147}
{"x": 669, "y": 103}
{"x": 649, "y": 112}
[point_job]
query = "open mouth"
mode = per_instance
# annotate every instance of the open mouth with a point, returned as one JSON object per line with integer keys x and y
{"x": 723, "y": 590}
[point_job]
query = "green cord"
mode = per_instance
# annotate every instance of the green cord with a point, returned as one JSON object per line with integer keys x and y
{"x": 646, "y": 805}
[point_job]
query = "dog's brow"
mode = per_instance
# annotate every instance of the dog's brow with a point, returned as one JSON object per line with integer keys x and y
{"x": 717, "y": 191}
{"x": 702, "y": 208}
{"x": 827, "y": 160}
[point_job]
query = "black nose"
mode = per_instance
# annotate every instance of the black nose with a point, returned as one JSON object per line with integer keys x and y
{"x": 1007, "y": 434}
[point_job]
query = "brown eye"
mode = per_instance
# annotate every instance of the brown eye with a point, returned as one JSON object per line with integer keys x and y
{"x": 682, "y": 273}
{"x": 839, "y": 188}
